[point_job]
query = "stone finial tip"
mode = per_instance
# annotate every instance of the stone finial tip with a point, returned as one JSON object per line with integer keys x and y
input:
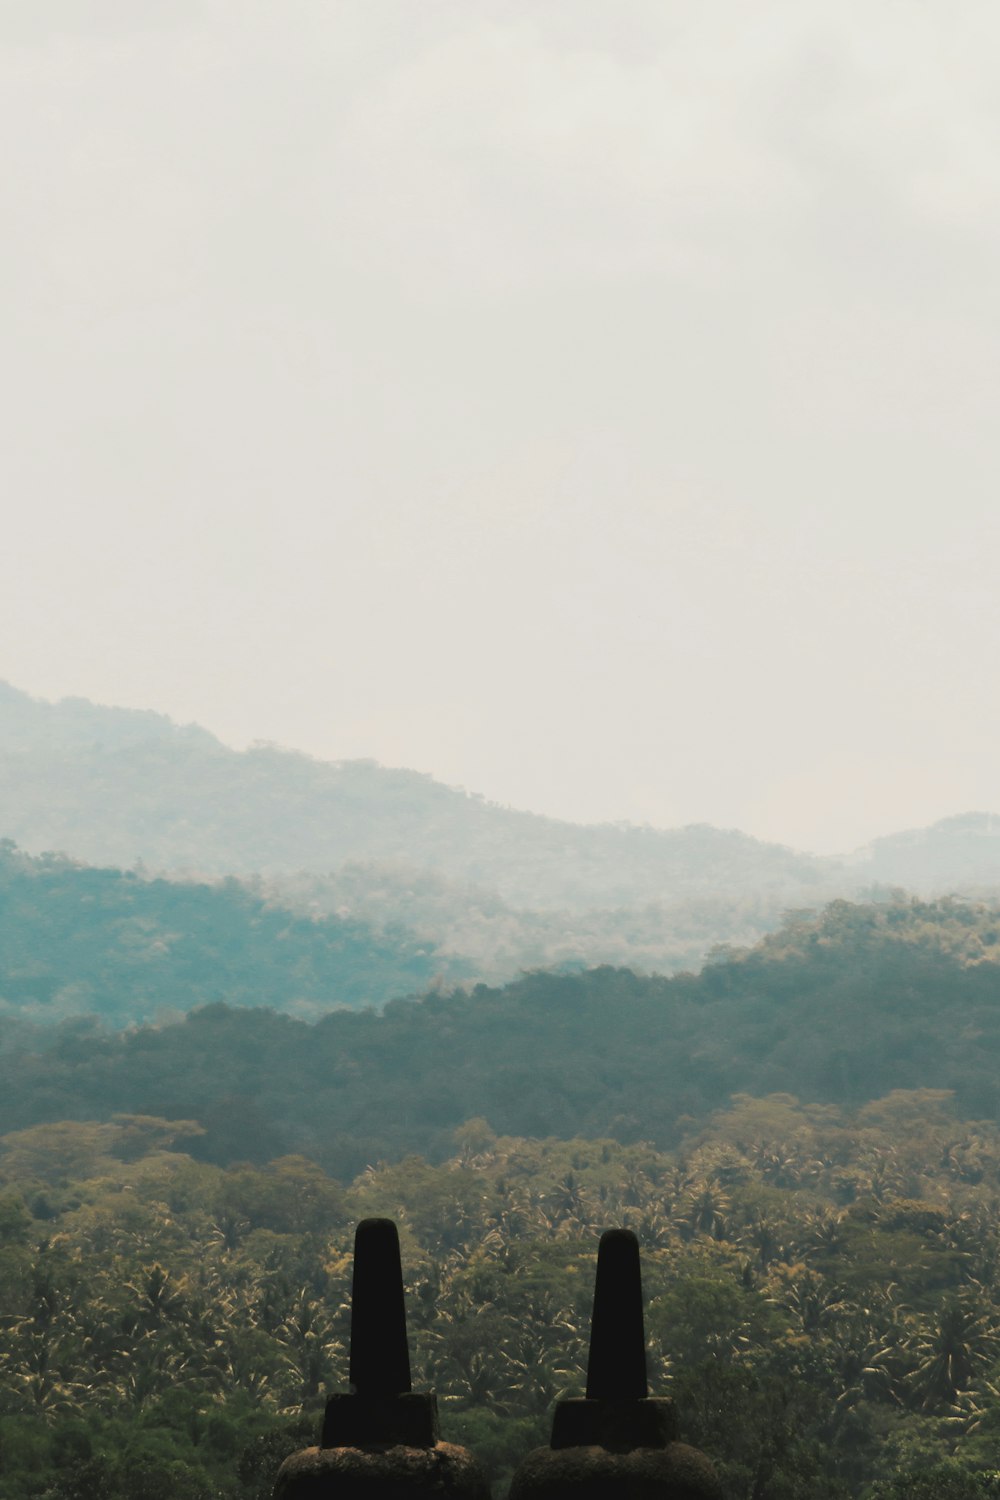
{"x": 616, "y": 1369}
{"x": 380, "y": 1359}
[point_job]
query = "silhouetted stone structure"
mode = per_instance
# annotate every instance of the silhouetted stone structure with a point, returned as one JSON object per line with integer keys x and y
{"x": 616, "y": 1441}
{"x": 381, "y": 1440}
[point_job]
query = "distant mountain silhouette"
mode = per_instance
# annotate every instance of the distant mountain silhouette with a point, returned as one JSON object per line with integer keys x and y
{"x": 961, "y": 853}
{"x": 489, "y": 890}
{"x": 112, "y": 786}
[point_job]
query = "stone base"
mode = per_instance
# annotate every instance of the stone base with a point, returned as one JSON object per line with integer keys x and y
{"x": 404, "y": 1421}
{"x": 444, "y": 1472}
{"x": 674, "y": 1472}
{"x": 618, "y": 1426}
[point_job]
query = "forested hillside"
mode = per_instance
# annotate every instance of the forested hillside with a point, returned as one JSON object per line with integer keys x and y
{"x": 80, "y": 941}
{"x": 495, "y": 939}
{"x": 804, "y": 1136}
{"x": 841, "y": 1008}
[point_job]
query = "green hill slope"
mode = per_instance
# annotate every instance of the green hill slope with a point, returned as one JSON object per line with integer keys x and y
{"x": 77, "y": 940}
{"x": 841, "y": 1008}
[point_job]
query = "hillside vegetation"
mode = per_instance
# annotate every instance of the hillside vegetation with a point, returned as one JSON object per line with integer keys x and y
{"x": 804, "y": 1136}
{"x": 480, "y": 931}
{"x": 839, "y": 1007}
{"x": 130, "y": 947}
{"x": 81, "y": 941}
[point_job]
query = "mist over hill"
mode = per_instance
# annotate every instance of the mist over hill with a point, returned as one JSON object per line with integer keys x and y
{"x": 113, "y": 785}
{"x": 961, "y": 853}
{"x": 77, "y": 940}
{"x": 488, "y": 890}
{"x": 840, "y": 1007}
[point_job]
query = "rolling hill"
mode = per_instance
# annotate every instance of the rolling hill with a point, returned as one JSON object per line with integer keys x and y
{"x": 113, "y": 785}
{"x": 489, "y": 890}
{"x": 78, "y": 940}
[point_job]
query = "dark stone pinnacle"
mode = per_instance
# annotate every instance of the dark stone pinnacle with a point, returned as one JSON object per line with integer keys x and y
{"x": 381, "y": 1410}
{"x": 380, "y": 1359}
{"x": 380, "y": 1442}
{"x": 616, "y": 1443}
{"x": 616, "y": 1369}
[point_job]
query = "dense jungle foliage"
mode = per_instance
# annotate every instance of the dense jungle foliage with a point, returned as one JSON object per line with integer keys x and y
{"x": 822, "y": 1286}
{"x": 842, "y": 1007}
{"x": 177, "y": 1205}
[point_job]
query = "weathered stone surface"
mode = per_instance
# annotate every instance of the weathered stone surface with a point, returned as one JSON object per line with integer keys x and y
{"x": 675, "y": 1472}
{"x": 444, "y": 1472}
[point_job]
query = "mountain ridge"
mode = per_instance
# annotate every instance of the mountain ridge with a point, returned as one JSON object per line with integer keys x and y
{"x": 491, "y": 890}
{"x": 198, "y": 806}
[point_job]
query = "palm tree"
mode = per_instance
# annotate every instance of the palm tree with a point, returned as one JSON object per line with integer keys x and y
{"x": 307, "y": 1343}
{"x": 975, "y": 1409}
{"x": 814, "y": 1303}
{"x": 824, "y": 1232}
{"x": 706, "y": 1211}
{"x": 160, "y": 1298}
{"x": 541, "y": 1363}
{"x": 36, "y": 1372}
{"x": 949, "y": 1349}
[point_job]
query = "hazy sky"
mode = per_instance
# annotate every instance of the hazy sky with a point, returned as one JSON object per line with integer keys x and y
{"x": 594, "y": 404}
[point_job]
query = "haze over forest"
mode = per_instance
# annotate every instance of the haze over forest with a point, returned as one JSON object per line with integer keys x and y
{"x": 497, "y": 726}
{"x": 206, "y": 1078}
{"x": 407, "y": 880}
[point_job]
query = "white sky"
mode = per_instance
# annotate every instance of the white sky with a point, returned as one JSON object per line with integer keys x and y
{"x": 594, "y": 404}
